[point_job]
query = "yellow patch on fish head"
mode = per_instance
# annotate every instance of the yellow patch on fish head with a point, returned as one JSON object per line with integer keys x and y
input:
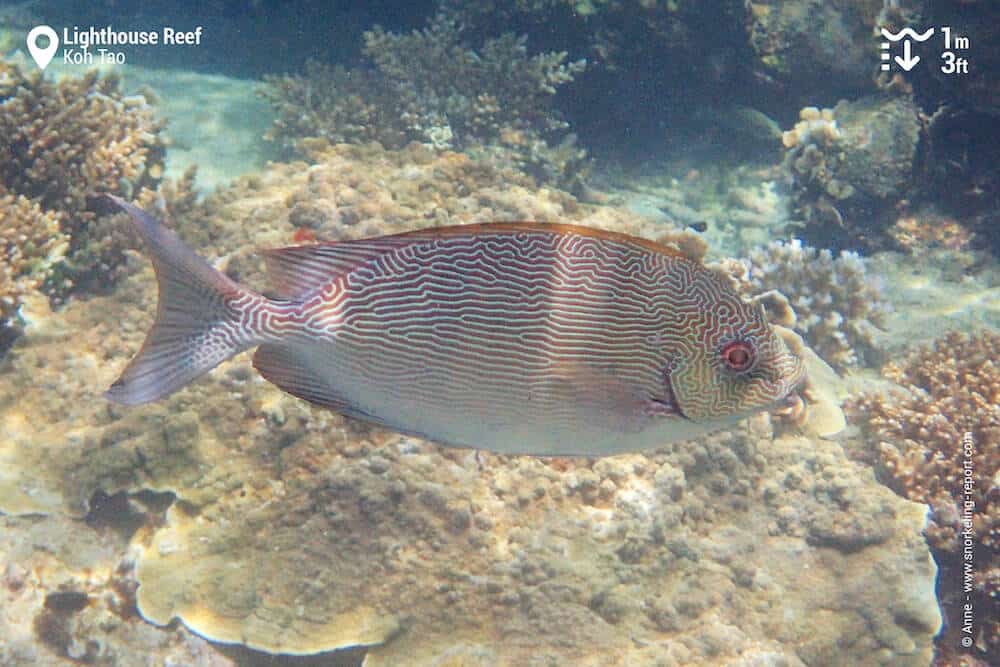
{"x": 732, "y": 364}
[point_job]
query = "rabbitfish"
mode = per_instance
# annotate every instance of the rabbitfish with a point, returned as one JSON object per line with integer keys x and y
{"x": 522, "y": 338}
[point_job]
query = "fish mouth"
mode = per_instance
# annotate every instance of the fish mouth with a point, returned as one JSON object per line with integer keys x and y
{"x": 792, "y": 401}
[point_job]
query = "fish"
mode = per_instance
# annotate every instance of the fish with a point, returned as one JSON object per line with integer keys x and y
{"x": 530, "y": 338}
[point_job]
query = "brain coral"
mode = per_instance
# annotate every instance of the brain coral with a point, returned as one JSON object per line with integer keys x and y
{"x": 838, "y": 305}
{"x": 940, "y": 444}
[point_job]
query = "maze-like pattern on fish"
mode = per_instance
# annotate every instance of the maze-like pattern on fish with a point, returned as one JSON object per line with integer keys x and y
{"x": 523, "y": 328}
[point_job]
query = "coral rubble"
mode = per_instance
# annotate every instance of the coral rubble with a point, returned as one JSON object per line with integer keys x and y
{"x": 838, "y": 305}
{"x": 428, "y": 87}
{"x": 939, "y": 443}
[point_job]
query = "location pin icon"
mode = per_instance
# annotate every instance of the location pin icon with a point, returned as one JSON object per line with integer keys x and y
{"x": 42, "y": 55}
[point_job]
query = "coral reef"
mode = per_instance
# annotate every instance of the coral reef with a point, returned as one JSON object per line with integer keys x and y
{"x": 64, "y": 141}
{"x": 850, "y": 167}
{"x": 977, "y": 90}
{"x": 31, "y": 246}
{"x": 417, "y": 186}
{"x": 743, "y": 546}
{"x": 925, "y": 231}
{"x": 813, "y": 47}
{"x": 427, "y": 86}
{"x": 174, "y": 201}
{"x": 73, "y": 601}
{"x": 838, "y": 305}
{"x": 939, "y": 443}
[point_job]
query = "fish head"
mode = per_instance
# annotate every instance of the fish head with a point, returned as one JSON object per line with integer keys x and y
{"x": 733, "y": 363}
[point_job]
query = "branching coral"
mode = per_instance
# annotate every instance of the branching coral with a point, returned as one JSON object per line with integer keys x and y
{"x": 68, "y": 139}
{"x": 64, "y": 141}
{"x": 175, "y": 201}
{"x": 332, "y": 103}
{"x": 838, "y": 305}
{"x": 31, "y": 244}
{"x": 429, "y": 87}
{"x": 940, "y": 444}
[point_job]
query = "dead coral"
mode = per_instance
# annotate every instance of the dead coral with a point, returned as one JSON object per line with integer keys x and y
{"x": 940, "y": 444}
{"x": 838, "y": 305}
{"x": 427, "y": 86}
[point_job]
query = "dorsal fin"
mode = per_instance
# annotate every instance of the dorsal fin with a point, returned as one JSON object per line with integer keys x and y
{"x": 297, "y": 270}
{"x": 484, "y": 228}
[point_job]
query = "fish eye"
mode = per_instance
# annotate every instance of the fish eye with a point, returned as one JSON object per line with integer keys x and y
{"x": 739, "y": 356}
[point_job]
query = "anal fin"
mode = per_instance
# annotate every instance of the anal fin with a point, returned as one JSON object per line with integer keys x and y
{"x": 291, "y": 370}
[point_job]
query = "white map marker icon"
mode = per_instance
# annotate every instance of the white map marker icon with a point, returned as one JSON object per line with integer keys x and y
{"x": 42, "y": 55}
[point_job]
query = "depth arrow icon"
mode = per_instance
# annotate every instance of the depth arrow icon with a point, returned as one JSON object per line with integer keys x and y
{"x": 907, "y": 62}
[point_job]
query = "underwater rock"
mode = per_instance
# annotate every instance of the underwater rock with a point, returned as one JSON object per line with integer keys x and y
{"x": 850, "y": 167}
{"x": 815, "y": 49}
{"x": 978, "y": 89}
{"x": 299, "y": 530}
{"x": 963, "y": 108}
{"x": 960, "y": 180}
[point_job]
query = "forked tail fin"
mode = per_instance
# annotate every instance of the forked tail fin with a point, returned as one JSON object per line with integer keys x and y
{"x": 198, "y": 316}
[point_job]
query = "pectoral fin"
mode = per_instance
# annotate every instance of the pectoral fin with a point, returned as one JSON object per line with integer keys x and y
{"x": 610, "y": 397}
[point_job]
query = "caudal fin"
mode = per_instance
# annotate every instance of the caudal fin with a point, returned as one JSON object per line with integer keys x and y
{"x": 197, "y": 324}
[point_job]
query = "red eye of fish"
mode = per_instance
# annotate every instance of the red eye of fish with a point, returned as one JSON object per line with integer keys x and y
{"x": 739, "y": 356}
